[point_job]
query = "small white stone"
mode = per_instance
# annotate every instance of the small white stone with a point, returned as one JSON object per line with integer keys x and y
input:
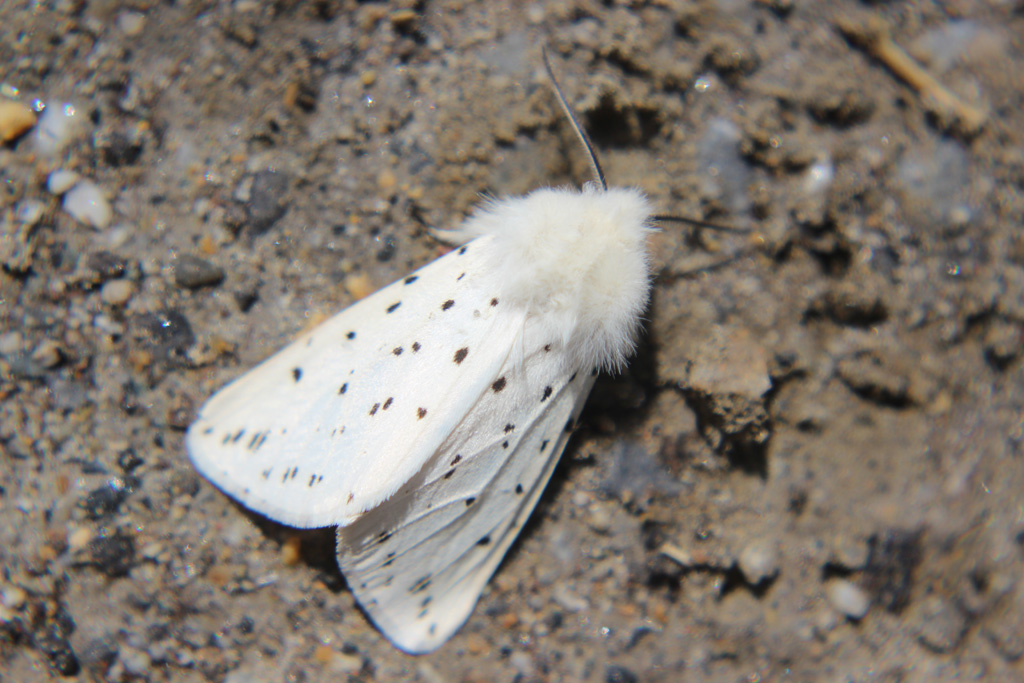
{"x": 48, "y": 354}
{"x": 759, "y": 561}
{"x": 60, "y": 181}
{"x": 117, "y": 236}
{"x": 86, "y": 203}
{"x": 11, "y": 343}
{"x": 13, "y": 597}
{"x": 847, "y": 598}
{"x": 570, "y": 600}
{"x": 56, "y": 128}
{"x": 342, "y": 663}
{"x": 523, "y": 664}
{"x": 599, "y": 519}
{"x": 29, "y": 211}
{"x": 136, "y": 662}
{"x": 116, "y": 292}
{"x": 819, "y": 177}
{"x": 79, "y": 538}
{"x": 131, "y": 23}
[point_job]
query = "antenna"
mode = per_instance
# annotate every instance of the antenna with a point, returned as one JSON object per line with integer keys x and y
{"x": 663, "y": 218}
{"x": 595, "y": 165}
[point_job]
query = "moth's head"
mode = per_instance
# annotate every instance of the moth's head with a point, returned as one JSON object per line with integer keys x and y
{"x": 577, "y": 262}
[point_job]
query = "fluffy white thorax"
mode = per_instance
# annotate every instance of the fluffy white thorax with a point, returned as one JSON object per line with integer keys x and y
{"x": 576, "y": 262}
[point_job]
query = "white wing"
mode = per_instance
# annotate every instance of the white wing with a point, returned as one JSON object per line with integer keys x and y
{"x": 418, "y": 562}
{"x": 334, "y": 423}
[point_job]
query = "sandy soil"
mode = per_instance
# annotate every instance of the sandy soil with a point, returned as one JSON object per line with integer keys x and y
{"x": 811, "y": 471}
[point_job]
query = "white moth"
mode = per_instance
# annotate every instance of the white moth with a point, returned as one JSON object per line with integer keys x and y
{"x": 425, "y": 420}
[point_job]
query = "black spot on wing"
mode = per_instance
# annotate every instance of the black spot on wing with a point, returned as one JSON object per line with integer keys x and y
{"x": 519, "y": 489}
{"x": 460, "y": 355}
{"x": 397, "y": 350}
{"x": 494, "y": 302}
{"x": 470, "y": 501}
{"x": 383, "y": 536}
{"x": 543, "y": 445}
{"x": 460, "y": 277}
{"x": 547, "y": 394}
{"x": 208, "y": 431}
{"x": 373, "y": 410}
{"x": 504, "y": 444}
{"x": 485, "y": 541}
{"x": 393, "y": 307}
{"x": 509, "y": 427}
{"x": 421, "y": 585}
{"x": 351, "y": 335}
{"x": 411, "y": 279}
{"x": 297, "y": 374}
{"x": 449, "y": 473}
{"x": 462, "y": 250}
{"x": 387, "y": 403}
{"x": 456, "y": 460}
{"x": 416, "y": 347}
{"x": 343, "y": 389}
{"x": 421, "y": 413}
{"x": 572, "y": 378}
{"x": 547, "y": 347}
{"x": 447, "y": 304}
{"x": 499, "y": 384}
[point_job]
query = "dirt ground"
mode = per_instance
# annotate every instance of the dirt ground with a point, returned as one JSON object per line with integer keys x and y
{"x": 813, "y": 469}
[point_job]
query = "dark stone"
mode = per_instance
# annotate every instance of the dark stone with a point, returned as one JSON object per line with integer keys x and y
{"x": 267, "y": 200}
{"x": 105, "y": 500}
{"x": 113, "y": 554}
{"x": 192, "y": 272}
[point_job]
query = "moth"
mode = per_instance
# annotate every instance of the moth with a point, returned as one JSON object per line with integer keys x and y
{"x": 425, "y": 420}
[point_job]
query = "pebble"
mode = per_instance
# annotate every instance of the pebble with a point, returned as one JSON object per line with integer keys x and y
{"x": 105, "y": 500}
{"x": 599, "y": 519}
{"x": 56, "y": 128}
{"x": 48, "y": 354}
{"x": 192, "y": 272}
{"x": 523, "y": 664}
{"x": 61, "y": 180}
{"x": 727, "y": 173}
{"x": 131, "y": 23}
{"x": 819, "y": 177}
{"x": 759, "y": 561}
{"x": 86, "y": 203}
{"x": 848, "y": 598}
{"x": 267, "y": 200}
{"x": 13, "y": 597}
{"x": 569, "y": 600}
{"x": 940, "y": 626}
{"x": 79, "y": 538}
{"x": 116, "y": 292}
{"x": 135, "y": 662}
{"x": 113, "y": 554}
{"x": 11, "y": 343}
{"x": 16, "y": 118}
{"x": 29, "y": 211}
